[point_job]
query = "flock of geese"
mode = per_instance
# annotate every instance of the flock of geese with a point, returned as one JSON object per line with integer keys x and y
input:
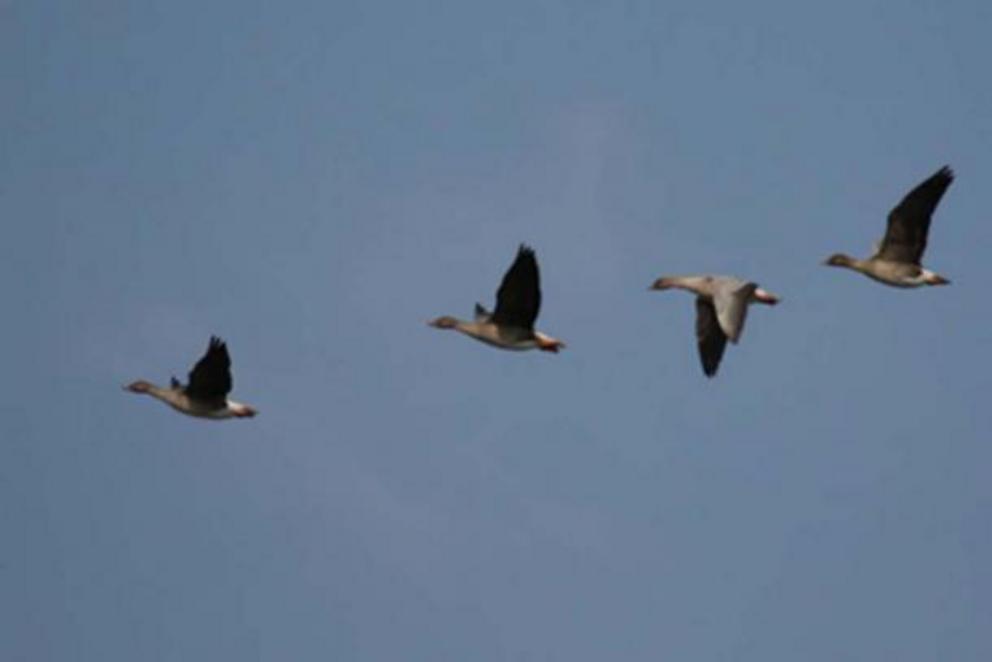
{"x": 721, "y": 307}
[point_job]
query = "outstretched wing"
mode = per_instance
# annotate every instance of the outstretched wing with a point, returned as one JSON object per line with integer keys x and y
{"x": 906, "y": 235}
{"x": 519, "y": 296}
{"x": 210, "y": 378}
{"x": 709, "y": 336}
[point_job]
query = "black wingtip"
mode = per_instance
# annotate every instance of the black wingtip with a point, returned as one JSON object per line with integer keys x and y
{"x": 710, "y": 365}
{"x": 526, "y": 254}
{"x": 946, "y": 172}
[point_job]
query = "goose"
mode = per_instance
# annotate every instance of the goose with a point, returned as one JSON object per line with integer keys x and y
{"x": 721, "y": 306}
{"x": 205, "y": 396}
{"x": 511, "y": 324}
{"x": 896, "y": 261}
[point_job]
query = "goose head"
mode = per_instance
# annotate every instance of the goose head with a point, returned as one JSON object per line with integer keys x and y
{"x": 446, "y": 322}
{"x": 840, "y": 260}
{"x": 663, "y": 283}
{"x": 139, "y": 386}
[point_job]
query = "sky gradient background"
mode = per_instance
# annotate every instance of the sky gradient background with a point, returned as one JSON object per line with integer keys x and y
{"x": 314, "y": 180}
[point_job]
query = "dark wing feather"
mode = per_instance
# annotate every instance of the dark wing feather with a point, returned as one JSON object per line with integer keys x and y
{"x": 710, "y": 337}
{"x": 481, "y": 314}
{"x": 519, "y": 297}
{"x": 906, "y": 235}
{"x": 210, "y": 378}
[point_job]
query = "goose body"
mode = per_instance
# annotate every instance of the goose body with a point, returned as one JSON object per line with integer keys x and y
{"x": 511, "y": 325}
{"x": 205, "y": 395}
{"x": 721, "y": 308}
{"x": 897, "y": 261}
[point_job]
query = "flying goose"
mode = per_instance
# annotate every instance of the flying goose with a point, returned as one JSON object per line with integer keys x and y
{"x": 721, "y": 306}
{"x": 896, "y": 262}
{"x": 511, "y": 325}
{"x": 205, "y": 396}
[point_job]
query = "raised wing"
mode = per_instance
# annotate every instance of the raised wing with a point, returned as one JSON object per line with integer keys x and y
{"x": 519, "y": 296}
{"x": 709, "y": 336}
{"x": 210, "y": 378}
{"x": 906, "y": 235}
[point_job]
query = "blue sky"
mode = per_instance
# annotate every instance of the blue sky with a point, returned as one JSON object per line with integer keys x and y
{"x": 314, "y": 180}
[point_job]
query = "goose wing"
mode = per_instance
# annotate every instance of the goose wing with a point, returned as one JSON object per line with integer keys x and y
{"x": 210, "y": 378}
{"x": 709, "y": 336}
{"x": 519, "y": 296}
{"x": 481, "y": 314}
{"x": 730, "y": 300}
{"x": 909, "y": 222}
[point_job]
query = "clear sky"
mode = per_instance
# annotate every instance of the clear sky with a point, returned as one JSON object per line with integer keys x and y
{"x": 314, "y": 180}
